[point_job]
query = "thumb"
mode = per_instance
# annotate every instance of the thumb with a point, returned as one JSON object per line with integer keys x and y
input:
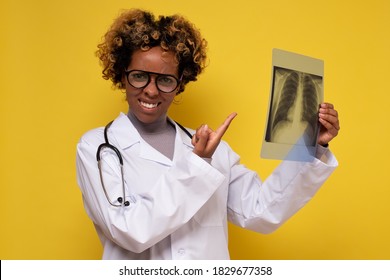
{"x": 200, "y": 138}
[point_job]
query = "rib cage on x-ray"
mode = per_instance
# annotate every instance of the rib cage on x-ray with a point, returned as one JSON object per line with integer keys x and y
{"x": 287, "y": 98}
{"x": 309, "y": 102}
{"x": 298, "y": 95}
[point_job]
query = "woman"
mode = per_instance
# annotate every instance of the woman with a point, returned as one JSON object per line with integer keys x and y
{"x": 178, "y": 188}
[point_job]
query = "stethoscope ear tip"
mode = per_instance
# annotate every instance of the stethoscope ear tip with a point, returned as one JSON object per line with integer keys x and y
{"x": 126, "y": 203}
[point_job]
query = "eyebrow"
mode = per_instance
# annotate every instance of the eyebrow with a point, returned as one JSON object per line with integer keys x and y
{"x": 154, "y": 73}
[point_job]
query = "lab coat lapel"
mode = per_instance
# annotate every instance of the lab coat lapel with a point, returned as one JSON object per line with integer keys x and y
{"x": 150, "y": 153}
{"x": 128, "y": 138}
{"x": 182, "y": 142}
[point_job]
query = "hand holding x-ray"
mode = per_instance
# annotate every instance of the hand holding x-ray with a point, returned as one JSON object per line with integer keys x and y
{"x": 330, "y": 125}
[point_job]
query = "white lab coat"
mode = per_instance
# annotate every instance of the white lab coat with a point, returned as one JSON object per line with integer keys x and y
{"x": 179, "y": 208}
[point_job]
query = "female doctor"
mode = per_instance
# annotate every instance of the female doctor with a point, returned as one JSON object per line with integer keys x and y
{"x": 155, "y": 190}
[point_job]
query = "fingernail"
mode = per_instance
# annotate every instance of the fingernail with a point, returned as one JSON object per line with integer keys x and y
{"x": 205, "y": 128}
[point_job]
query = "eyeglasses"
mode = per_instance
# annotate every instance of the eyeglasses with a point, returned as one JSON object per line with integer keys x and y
{"x": 140, "y": 79}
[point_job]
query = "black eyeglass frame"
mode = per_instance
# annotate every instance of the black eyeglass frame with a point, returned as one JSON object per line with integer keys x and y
{"x": 158, "y": 75}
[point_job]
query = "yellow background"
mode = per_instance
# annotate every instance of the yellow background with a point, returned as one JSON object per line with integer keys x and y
{"x": 52, "y": 92}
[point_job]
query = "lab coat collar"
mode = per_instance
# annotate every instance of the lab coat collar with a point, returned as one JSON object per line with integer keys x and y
{"x": 126, "y": 135}
{"x": 124, "y": 132}
{"x": 181, "y": 135}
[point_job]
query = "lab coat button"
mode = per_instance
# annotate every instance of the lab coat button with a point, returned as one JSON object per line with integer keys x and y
{"x": 181, "y": 251}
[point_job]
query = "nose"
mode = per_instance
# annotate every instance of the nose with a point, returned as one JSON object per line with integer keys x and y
{"x": 151, "y": 88}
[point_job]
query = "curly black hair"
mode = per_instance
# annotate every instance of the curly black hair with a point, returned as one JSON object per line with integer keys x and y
{"x": 137, "y": 29}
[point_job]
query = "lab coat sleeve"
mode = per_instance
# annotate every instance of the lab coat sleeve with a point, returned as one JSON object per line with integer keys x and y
{"x": 264, "y": 206}
{"x": 172, "y": 201}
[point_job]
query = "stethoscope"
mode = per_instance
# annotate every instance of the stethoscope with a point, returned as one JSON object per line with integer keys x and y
{"x": 121, "y": 200}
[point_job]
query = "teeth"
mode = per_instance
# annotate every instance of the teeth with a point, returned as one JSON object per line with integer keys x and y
{"x": 148, "y": 105}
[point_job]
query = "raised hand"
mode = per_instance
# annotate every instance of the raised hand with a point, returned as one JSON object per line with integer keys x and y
{"x": 206, "y": 141}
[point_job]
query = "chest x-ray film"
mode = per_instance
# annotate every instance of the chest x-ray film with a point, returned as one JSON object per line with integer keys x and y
{"x": 292, "y": 126}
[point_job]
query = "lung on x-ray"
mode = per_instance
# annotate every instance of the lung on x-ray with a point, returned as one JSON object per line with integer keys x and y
{"x": 292, "y": 121}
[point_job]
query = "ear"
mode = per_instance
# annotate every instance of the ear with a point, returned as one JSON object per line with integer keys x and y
{"x": 123, "y": 81}
{"x": 180, "y": 88}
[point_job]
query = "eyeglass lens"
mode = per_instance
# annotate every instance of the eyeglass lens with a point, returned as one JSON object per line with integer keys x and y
{"x": 140, "y": 79}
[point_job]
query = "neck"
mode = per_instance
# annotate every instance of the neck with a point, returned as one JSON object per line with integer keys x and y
{"x": 158, "y": 126}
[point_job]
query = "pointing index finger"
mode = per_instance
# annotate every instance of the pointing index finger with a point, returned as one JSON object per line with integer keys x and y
{"x": 225, "y": 125}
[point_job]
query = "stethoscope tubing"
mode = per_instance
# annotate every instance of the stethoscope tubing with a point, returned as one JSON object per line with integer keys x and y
{"x": 106, "y": 144}
{"x": 121, "y": 200}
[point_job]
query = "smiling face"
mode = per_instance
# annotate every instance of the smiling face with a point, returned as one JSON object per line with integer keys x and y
{"x": 149, "y": 104}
